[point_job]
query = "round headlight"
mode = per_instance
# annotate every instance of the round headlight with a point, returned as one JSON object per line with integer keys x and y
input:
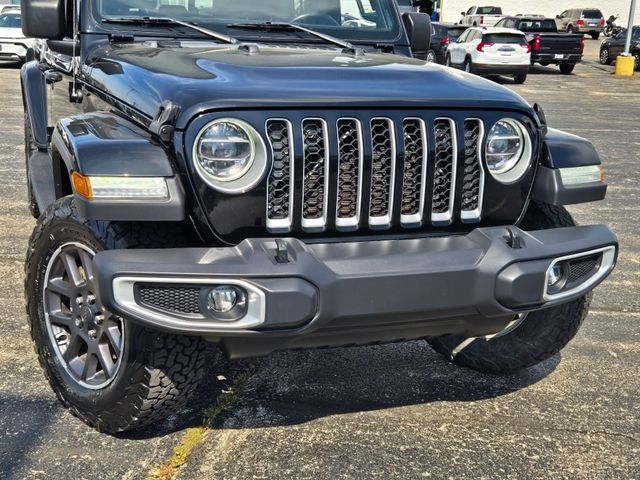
{"x": 508, "y": 150}
{"x": 230, "y": 155}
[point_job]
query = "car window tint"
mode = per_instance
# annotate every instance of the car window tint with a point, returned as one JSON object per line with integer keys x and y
{"x": 592, "y": 14}
{"x": 10, "y": 21}
{"x": 489, "y": 11}
{"x": 546, "y": 25}
{"x": 503, "y": 38}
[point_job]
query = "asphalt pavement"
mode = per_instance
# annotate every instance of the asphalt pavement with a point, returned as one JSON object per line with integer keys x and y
{"x": 392, "y": 411}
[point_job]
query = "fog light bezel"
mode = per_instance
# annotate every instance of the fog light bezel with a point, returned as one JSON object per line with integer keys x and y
{"x": 236, "y": 312}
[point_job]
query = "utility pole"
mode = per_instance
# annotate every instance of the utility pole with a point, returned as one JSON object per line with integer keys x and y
{"x": 632, "y": 12}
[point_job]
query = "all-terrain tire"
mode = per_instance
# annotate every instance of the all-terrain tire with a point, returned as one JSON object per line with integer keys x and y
{"x": 567, "y": 68}
{"x": 537, "y": 336}
{"x": 158, "y": 371}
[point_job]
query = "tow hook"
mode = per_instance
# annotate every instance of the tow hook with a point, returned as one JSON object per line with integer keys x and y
{"x": 514, "y": 240}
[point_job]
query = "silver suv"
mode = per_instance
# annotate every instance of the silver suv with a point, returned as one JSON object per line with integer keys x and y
{"x": 582, "y": 20}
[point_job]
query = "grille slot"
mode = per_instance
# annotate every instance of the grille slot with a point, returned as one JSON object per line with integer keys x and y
{"x": 350, "y": 158}
{"x": 444, "y": 177}
{"x": 473, "y": 173}
{"x": 414, "y": 179}
{"x": 182, "y": 300}
{"x": 582, "y": 268}
{"x": 383, "y": 165}
{"x": 315, "y": 187}
{"x": 343, "y": 174}
{"x": 280, "y": 184}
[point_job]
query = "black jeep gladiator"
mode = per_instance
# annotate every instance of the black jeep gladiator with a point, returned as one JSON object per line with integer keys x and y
{"x": 266, "y": 175}
{"x": 548, "y": 46}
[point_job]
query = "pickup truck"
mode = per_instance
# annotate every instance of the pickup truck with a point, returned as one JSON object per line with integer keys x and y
{"x": 214, "y": 178}
{"x": 548, "y": 46}
{"x": 481, "y": 16}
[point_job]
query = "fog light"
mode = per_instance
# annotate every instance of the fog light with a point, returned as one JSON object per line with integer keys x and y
{"x": 222, "y": 299}
{"x": 554, "y": 275}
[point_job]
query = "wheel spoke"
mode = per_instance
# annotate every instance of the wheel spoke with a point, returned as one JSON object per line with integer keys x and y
{"x": 90, "y": 367}
{"x": 87, "y": 266}
{"x": 60, "y": 318}
{"x": 104, "y": 357}
{"x": 61, "y": 287}
{"x": 115, "y": 338}
{"x": 73, "y": 349}
{"x": 72, "y": 269}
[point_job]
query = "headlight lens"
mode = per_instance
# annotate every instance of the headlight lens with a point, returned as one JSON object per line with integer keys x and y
{"x": 508, "y": 150}
{"x": 230, "y": 155}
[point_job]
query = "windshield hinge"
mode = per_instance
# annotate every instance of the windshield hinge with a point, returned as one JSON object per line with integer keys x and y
{"x": 164, "y": 122}
{"x": 121, "y": 38}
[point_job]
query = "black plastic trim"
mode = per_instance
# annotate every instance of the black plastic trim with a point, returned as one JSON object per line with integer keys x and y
{"x": 548, "y": 188}
{"x": 563, "y": 150}
{"x": 35, "y": 98}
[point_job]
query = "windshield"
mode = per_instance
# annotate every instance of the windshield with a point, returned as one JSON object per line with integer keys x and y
{"x": 10, "y": 20}
{"x": 366, "y": 20}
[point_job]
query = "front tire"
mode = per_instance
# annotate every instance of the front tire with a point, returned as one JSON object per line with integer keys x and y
{"x": 605, "y": 56}
{"x": 531, "y": 338}
{"x": 112, "y": 374}
{"x": 520, "y": 78}
{"x": 567, "y": 68}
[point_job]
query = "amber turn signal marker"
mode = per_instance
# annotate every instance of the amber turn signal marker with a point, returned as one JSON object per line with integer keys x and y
{"x": 602, "y": 176}
{"x": 81, "y": 185}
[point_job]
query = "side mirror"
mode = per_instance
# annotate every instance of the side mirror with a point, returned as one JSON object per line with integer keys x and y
{"x": 463, "y": 13}
{"x": 558, "y": 16}
{"x": 43, "y": 18}
{"x": 418, "y": 27}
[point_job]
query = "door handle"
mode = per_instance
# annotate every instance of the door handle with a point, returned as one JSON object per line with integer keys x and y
{"x": 51, "y": 76}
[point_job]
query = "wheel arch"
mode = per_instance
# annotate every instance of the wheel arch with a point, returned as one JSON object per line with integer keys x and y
{"x": 34, "y": 98}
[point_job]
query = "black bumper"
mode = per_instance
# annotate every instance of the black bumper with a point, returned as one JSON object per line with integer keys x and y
{"x": 352, "y": 293}
{"x": 480, "y": 69}
{"x": 548, "y": 58}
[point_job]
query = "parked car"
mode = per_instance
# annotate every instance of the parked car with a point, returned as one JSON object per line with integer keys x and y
{"x": 614, "y": 46}
{"x": 547, "y": 45}
{"x": 13, "y": 43}
{"x": 582, "y": 20}
{"x": 264, "y": 186}
{"x": 491, "y": 51}
{"x": 439, "y": 42}
{"x": 9, "y": 8}
{"x": 481, "y": 16}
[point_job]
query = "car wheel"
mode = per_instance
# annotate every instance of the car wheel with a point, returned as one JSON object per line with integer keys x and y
{"x": 605, "y": 58}
{"x": 112, "y": 374}
{"x": 570, "y": 29}
{"x": 595, "y": 35}
{"x": 447, "y": 60}
{"x": 567, "y": 68}
{"x": 636, "y": 55}
{"x": 530, "y": 338}
{"x": 431, "y": 56}
{"x": 467, "y": 65}
{"x": 520, "y": 78}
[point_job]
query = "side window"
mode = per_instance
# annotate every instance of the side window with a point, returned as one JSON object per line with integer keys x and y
{"x": 464, "y": 36}
{"x": 564, "y": 14}
{"x": 502, "y": 23}
{"x": 470, "y": 11}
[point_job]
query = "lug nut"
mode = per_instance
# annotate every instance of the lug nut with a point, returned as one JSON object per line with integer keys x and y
{"x": 79, "y": 301}
{"x": 99, "y": 319}
{"x": 91, "y": 299}
{"x": 79, "y": 323}
{"x": 93, "y": 333}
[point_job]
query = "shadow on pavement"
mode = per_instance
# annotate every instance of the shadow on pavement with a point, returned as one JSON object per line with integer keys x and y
{"x": 296, "y": 387}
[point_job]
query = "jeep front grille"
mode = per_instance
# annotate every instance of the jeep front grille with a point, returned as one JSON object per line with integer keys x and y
{"x": 377, "y": 173}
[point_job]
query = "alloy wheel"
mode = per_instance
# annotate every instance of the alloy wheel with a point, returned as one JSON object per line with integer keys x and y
{"x": 88, "y": 341}
{"x": 604, "y": 56}
{"x": 431, "y": 57}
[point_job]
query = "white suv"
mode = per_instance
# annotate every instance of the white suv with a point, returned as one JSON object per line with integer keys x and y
{"x": 492, "y": 50}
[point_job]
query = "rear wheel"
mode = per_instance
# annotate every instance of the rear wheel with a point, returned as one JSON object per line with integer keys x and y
{"x": 520, "y": 78}
{"x": 567, "y": 68}
{"x": 595, "y": 35}
{"x": 112, "y": 374}
{"x": 467, "y": 65}
{"x": 447, "y": 60}
{"x": 605, "y": 56}
{"x": 530, "y": 338}
{"x": 636, "y": 56}
{"x": 570, "y": 29}
{"x": 431, "y": 56}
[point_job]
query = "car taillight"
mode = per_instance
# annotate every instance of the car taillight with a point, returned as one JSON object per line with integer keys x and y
{"x": 445, "y": 41}
{"x": 481, "y": 46}
{"x": 582, "y": 42}
{"x": 527, "y": 46}
{"x": 580, "y": 22}
{"x": 602, "y": 22}
{"x": 536, "y": 43}
{"x": 481, "y": 19}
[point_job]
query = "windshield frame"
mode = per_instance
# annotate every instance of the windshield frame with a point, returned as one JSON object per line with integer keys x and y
{"x": 396, "y": 36}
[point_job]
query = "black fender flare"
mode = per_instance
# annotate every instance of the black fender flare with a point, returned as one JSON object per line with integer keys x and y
{"x": 34, "y": 94}
{"x": 106, "y": 144}
{"x": 563, "y": 150}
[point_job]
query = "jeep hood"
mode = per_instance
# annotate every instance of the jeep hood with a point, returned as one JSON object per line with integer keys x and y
{"x": 206, "y": 76}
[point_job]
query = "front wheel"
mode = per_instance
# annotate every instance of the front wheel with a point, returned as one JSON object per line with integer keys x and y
{"x": 447, "y": 60}
{"x": 605, "y": 56}
{"x": 566, "y": 68}
{"x": 467, "y": 65}
{"x": 431, "y": 56}
{"x": 530, "y": 338}
{"x": 520, "y": 78}
{"x": 636, "y": 57}
{"x": 112, "y": 374}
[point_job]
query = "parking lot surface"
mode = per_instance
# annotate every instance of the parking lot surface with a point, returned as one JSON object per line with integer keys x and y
{"x": 393, "y": 411}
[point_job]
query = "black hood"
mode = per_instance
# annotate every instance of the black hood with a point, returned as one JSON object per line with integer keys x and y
{"x": 201, "y": 77}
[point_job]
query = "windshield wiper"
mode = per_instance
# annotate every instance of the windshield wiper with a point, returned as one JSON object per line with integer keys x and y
{"x": 171, "y": 22}
{"x": 293, "y": 27}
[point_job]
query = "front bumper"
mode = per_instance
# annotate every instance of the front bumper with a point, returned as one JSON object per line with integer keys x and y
{"x": 351, "y": 293}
